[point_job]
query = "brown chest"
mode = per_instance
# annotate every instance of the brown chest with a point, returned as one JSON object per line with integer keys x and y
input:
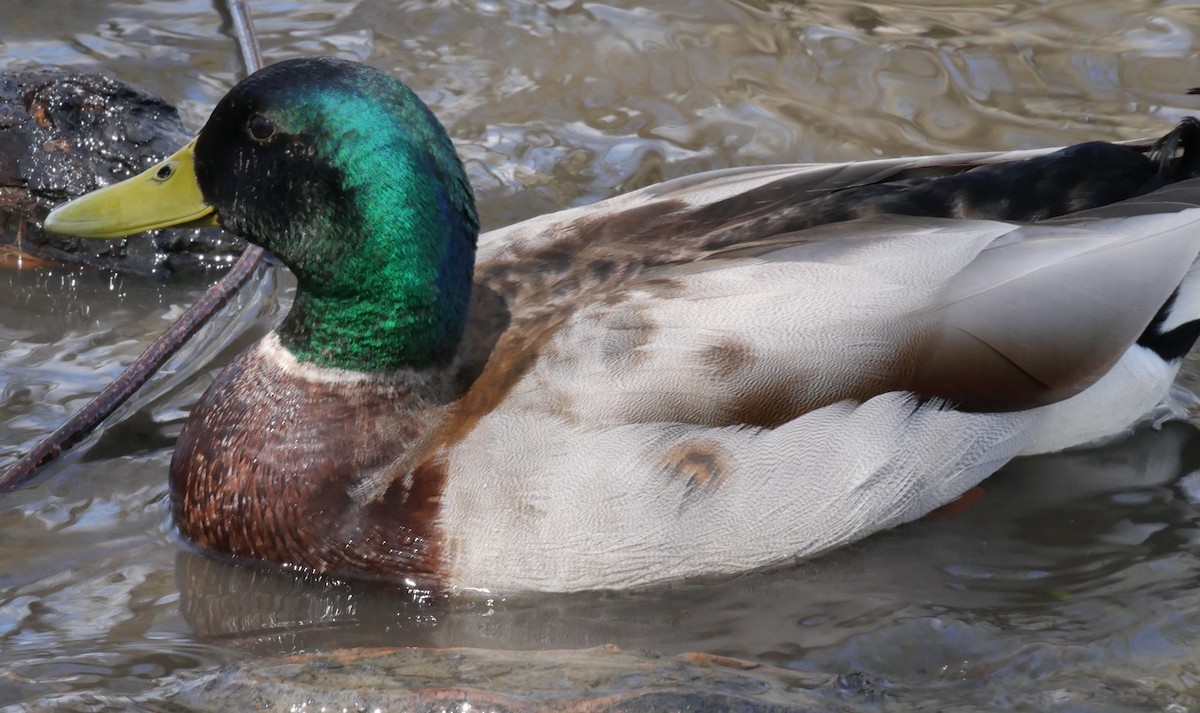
{"x": 270, "y": 462}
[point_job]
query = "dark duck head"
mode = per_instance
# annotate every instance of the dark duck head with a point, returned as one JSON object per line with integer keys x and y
{"x": 347, "y": 177}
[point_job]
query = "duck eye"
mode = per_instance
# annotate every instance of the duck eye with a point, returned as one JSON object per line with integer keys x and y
{"x": 260, "y": 127}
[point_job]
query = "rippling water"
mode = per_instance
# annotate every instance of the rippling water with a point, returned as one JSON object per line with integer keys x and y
{"x": 1070, "y": 586}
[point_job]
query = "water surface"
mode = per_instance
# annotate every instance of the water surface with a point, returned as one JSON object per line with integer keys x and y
{"x": 1070, "y": 586}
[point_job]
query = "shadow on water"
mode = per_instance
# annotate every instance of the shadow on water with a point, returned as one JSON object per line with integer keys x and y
{"x": 1069, "y": 586}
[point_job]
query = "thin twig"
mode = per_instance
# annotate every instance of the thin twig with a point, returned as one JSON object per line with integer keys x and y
{"x": 169, "y": 342}
{"x": 243, "y": 29}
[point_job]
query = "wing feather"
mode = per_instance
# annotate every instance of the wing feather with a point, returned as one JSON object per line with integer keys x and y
{"x": 988, "y": 315}
{"x": 1042, "y": 314}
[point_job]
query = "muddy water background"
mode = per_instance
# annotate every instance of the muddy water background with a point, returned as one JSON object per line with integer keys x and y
{"x": 1070, "y": 586}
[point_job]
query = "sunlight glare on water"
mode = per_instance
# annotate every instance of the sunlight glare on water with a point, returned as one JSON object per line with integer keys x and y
{"x": 1070, "y": 584}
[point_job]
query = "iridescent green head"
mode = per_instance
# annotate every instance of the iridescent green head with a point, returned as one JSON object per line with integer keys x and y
{"x": 348, "y": 178}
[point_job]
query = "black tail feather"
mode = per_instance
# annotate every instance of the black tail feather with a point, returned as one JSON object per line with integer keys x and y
{"x": 1178, "y": 153}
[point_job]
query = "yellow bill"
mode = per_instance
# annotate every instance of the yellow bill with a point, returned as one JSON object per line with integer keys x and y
{"x": 163, "y": 196}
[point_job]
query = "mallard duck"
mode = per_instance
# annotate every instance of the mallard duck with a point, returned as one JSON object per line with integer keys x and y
{"x": 718, "y": 373}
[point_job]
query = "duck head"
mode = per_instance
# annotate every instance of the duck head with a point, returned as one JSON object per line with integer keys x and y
{"x": 346, "y": 176}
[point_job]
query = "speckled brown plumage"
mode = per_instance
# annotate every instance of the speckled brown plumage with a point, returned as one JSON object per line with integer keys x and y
{"x": 268, "y": 465}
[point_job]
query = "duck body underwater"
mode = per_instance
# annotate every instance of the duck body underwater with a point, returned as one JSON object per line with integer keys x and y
{"x": 715, "y": 374}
